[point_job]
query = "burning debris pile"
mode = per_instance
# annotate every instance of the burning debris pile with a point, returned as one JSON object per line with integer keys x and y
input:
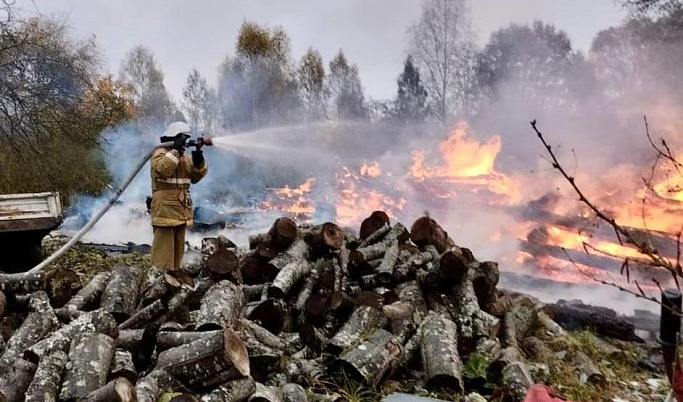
{"x": 289, "y": 317}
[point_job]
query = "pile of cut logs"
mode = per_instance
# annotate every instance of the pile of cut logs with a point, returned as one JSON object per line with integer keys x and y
{"x": 298, "y": 310}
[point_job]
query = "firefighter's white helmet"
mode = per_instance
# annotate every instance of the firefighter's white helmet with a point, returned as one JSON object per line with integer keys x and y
{"x": 178, "y": 127}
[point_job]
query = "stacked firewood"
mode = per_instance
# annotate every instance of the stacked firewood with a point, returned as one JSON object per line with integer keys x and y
{"x": 298, "y": 310}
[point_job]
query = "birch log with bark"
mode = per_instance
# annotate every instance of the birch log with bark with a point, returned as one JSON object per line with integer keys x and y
{"x": 220, "y": 307}
{"x": 327, "y": 236}
{"x": 362, "y": 322}
{"x": 369, "y": 361}
{"x": 90, "y": 358}
{"x": 426, "y": 230}
{"x": 144, "y": 316}
{"x": 168, "y": 339}
{"x": 297, "y": 251}
{"x": 371, "y": 224}
{"x": 120, "y": 296}
{"x": 16, "y": 380}
{"x": 48, "y": 378}
{"x": 90, "y": 294}
{"x": 440, "y": 358}
{"x": 232, "y": 391}
{"x": 35, "y": 327}
{"x": 293, "y": 393}
{"x": 123, "y": 366}
{"x": 287, "y": 277}
{"x": 201, "y": 359}
{"x": 385, "y": 272}
{"x": 283, "y": 233}
{"x": 99, "y": 321}
{"x": 117, "y": 390}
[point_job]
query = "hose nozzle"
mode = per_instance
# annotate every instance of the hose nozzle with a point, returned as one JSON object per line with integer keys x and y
{"x": 200, "y": 142}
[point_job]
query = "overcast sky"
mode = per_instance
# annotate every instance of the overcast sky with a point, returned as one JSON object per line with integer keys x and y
{"x": 199, "y": 33}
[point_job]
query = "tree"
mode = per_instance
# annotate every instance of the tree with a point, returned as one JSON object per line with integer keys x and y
{"x": 311, "y": 75}
{"x": 256, "y": 86}
{"x": 139, "y": 70}
{"x": 441, "y": 42}
{"x": 657, "y": 7}
{"x": 199, "y": 102}
{"x": 346, "y": 89}
{"x": 532, "y": 64}
{"x": 412, "y": 97}
{"x": 53, "y": 107}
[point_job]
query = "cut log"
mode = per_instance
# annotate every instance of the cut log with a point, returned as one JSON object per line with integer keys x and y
{"x": 232, "y": 391}
{"x": 385, "y": 272}
{"x": 264, "y": 252}
{"x": 140, "y": 344}
{"x": 201, "y": 359}
{"x": 518, "y": 321}
{"x": 283, "y": 233}
{"x": 362, "y": 322}
{"x": 16, "y": 380}
{"x": 327, "y": 236}
{"x": 313, "y": 337}
{"x": 453, "y": 266}
{"x": 168, "y": 340}
{"x": 148, "y": 314}
{"x": 440, "y": 358}
{"x": 473, "y": 323}
{"x": 306, "y": 372}
{"x": 259, "y": 238}
{"x": 316, "y": 306}
{"x": 342, "y": 304}
{"x": 117, "y": 390}
{"x": 221, "y": 262}
{"x": 62, "y": 285}
{"x": 252, "y": 270}
{"x": 90, "y": 358}
{"x": 298, "y": 251}
{"x": 120, "y": 297}
{"x": 66, "y": 316}
{"x": 35, "y": 327}
{"x": 485, "y": 280}
{"x": 426, "y": 230}
{"x": 293, "y": 393}
{"x": 263, "y": 360}
{"x": 374, "y": 222}
{"x": 3, "y": 304}
{"x": 262, "y": 335}
{"x": 351, "y": 240}
{"x": 504, "y": 358}
{"x": 305, "y": 292}
{"x": 47, "y": 379}
{"x": 404, "y": 273}
{"x": 287, "y": 277}
{"x": 575, "y": 316}
{"x": 537, "y": 350}
{"x": 150, "y": 387}
{"x": 265, "y": 394}
{"x": 376, "y": 236}
{"x": 410, "y": 292}
{"x": 123, "y": 366}
{"x": 221, "y": 307}
{"x": 252, "y": 292}
{"x": 270, "y": 314}
{"x": 23, "y": 283}
{"x": 588, "y": 371}
{"x": 551, "y": 326}
{"x": 370, "y": 361}
{"x": 98, "y": 320}
{"x": 401, "y": 319}
{"x": 357, "y": 266}
{"x": 159, "y": 289}
{"x": 517, "y": 380}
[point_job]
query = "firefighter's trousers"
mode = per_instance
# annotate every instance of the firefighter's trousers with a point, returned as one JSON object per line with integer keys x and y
{"x": 168, "y": 246}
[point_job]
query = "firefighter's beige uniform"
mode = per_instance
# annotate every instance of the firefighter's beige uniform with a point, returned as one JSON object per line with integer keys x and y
{"x": 172, "y": 208}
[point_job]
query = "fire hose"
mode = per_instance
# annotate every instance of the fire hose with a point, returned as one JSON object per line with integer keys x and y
{"x": 198, "y": 143}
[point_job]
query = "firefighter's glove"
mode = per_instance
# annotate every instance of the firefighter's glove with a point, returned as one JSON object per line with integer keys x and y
{"x": 179, "y": 144}
{"x": 198, "y": 158}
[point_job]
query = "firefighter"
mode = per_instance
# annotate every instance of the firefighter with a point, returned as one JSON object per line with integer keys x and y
{"x": 171, "y": 207}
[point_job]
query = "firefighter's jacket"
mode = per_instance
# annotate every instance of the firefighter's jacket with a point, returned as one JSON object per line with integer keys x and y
{"x": 172, "y": 175}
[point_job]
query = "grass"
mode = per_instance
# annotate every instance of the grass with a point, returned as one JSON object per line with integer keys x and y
{"x": 87, "y": 261}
